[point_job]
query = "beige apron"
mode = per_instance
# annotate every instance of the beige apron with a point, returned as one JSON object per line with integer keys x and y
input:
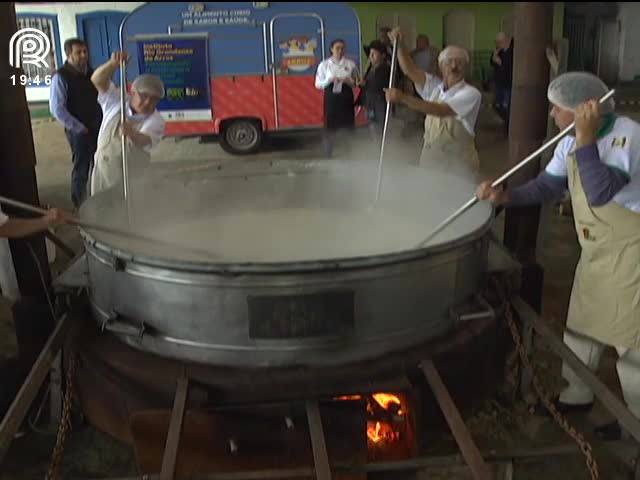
{"x": 448, "y": 146}
{"x": 107, "y": 170}
{"x": 605, "y": 299}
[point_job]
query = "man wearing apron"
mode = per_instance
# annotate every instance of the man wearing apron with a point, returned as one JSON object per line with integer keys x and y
{"x": 451, "y": 107}
{"x": 143, "y": 128}
{"x": 601, "y": 168}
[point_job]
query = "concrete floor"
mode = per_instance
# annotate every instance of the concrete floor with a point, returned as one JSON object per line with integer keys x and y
{"x": 91, "y": 454}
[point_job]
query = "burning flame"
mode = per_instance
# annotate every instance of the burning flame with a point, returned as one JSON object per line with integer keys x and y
{"x": 349, "y": 397}
{"x": 377, "y": 431}
{"x": 386, "y": 399}
{"x": 381, "y": 431}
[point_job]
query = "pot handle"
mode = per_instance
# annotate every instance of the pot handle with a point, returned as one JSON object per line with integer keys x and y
{"x": 114, "y": 324}
{"x": 485, "y": 311}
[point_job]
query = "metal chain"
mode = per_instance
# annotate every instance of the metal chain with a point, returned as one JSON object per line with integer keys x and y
{"x": 65, "y": 422}
{"x": 544, "y": 396}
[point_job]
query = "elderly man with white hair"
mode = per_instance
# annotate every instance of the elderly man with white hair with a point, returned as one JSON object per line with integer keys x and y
{"x": 600, "y": 166}
{"x": 143, "y": 127}
{"x": 451, "y": 107}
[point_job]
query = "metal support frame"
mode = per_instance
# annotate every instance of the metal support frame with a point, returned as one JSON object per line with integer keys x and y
{"x": 55, "y": 396}
{"x": 503, "y": 457}
{"x": 320, "y": 456}
{"x": 613, "y": 404}
{"x": 470, "y": 459}
{"x": 322, "y": 467}
{"x": 526, "y": 377}
{"x": 29, "y": 390}
{"x": 463, "y": 437}
{"x": 470, "y": 454}
{"x": 172, "y": 444}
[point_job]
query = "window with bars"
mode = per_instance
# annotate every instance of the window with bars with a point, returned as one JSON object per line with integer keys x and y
{"x": 48, "y": 25}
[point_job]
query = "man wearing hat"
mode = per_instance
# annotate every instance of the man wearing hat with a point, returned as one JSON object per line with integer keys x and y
{"x": 143, "y": 128}
{"x": 375, "y": 81}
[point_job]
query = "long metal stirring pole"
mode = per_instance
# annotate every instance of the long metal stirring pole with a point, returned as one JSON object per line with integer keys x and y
{"x": 106, "y": 229}
{"x": 123, "y": 96}
{"x": 386, "y": 117}
{"x": 501, "y": 179}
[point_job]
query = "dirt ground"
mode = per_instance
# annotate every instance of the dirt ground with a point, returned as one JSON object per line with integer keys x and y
{"x": 496, "y": 424}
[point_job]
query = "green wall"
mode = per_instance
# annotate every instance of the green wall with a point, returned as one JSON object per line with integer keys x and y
{"x": 558, "y": 20}
{"x": 429, "y": 20}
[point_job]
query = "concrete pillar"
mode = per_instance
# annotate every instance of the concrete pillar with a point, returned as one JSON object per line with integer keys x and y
{"x": 533, "y": 25}
{"x": 17, "y": 161}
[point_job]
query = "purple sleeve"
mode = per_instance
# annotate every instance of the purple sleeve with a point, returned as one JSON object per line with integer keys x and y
{"x": 599, "y": 181}
{"x": 542, "y": 189}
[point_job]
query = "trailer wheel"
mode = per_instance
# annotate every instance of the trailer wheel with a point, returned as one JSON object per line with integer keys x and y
{"x": 241, "y": 137}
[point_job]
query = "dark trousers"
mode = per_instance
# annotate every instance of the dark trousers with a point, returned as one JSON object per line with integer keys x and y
{"x": 503, "y": 104}
{"x": 83, "y": 148}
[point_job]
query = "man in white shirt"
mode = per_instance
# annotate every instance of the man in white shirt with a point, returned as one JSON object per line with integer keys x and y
{"x": 451, "y": 107}
{"x": 143, "y": 128}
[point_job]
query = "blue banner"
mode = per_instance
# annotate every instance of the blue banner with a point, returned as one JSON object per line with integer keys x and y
{"x": 183, "y": 65}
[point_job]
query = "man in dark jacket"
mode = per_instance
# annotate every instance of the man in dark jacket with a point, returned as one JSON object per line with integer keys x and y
{"x": 73, "y": 102}
{"x": 502, "y": 62}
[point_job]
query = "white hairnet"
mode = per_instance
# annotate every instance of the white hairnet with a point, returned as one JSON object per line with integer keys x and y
{"x": 149, "y": 84}
{"x": 453, "y": 51}
{"x": 570, "y": 89}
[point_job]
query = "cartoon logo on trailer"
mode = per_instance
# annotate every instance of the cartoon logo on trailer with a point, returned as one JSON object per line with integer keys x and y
{"x": 298, "y": 54}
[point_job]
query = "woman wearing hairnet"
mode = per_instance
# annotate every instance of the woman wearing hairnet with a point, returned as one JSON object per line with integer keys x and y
{"x": 143, "y": 128}
{"x": 451, "y": 107}
{"x": 600, "y": 166}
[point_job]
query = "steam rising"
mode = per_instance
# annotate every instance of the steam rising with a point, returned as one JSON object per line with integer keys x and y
{"x": 290, "y": 210}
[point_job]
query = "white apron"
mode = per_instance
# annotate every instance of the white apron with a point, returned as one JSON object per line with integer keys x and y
{"x": 448, "y": 146}
{"x": 107, "y": 170}
{"x": 605, "y": 299}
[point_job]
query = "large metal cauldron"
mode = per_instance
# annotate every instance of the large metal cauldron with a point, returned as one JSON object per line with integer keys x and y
{"x": 311, "y": 311}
